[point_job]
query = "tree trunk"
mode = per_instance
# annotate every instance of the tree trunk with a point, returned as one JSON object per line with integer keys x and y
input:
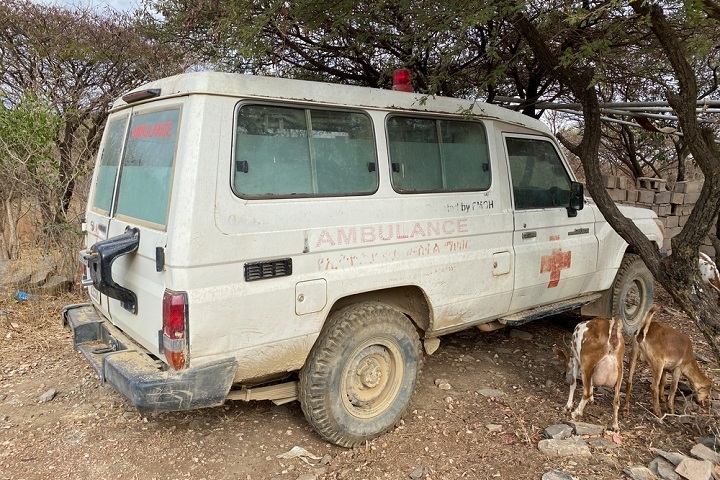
{"x": 13, "y": 242}
{"x": 677, "y": 273}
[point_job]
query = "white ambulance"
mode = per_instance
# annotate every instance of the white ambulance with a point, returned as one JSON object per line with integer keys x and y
{"x": 263, "y": 238}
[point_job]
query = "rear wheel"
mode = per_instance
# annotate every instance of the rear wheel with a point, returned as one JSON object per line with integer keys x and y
{"x": 359, "y": 377}
{"x": 632, "y": 293}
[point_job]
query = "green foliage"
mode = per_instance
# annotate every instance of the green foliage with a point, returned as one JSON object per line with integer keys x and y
{"x": 28, "y": 132}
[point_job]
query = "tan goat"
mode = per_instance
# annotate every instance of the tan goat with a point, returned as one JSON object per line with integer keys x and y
{"x": 665, "y": 350}
{"x": 596, "y": 357}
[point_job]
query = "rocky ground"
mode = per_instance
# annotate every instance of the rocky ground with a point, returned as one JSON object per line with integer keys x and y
{"x": 481, "y": 410}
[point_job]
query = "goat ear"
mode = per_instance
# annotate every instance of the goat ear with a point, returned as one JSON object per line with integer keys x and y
{"x": 560, "y": 353}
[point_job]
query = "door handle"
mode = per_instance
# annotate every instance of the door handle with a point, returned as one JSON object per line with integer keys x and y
{"x": 529, "y": 234}
{"x": 579, "y": 231}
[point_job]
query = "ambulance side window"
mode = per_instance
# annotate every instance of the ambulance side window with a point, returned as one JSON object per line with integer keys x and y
{"x": 286, "y": 152}
{"x": 437, "y": 155}
{"x": 539, "y": 178}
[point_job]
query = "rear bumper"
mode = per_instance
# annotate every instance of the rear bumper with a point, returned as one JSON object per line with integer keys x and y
{"x": 147, "y": 382}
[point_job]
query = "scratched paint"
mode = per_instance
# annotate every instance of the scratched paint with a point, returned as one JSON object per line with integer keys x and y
{"x": 555, "y": 263}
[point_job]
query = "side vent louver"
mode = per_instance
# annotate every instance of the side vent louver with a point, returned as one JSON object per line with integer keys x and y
{"x": 271, "y": 269}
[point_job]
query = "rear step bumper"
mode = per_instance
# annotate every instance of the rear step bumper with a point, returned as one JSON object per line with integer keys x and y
{"x": 145, "y": 381}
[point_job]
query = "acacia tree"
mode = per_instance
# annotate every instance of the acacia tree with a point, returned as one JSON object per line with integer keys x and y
{"x": 451, "y": 49}
{"x": 76, "y": 62}
{"x": 26, "y": 163}
{"x": 655, "y": 31}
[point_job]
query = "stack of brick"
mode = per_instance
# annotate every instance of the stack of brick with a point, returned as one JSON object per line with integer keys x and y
{"x": 673, "y": 207}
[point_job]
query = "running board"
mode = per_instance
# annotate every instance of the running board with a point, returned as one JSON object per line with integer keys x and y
{"x": 526, "y": 316}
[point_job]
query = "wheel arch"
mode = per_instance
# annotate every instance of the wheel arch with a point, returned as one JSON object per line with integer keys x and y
{"x": 411, "y": 300}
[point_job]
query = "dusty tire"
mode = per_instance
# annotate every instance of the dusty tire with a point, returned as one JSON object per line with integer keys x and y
{"x": 632, "y": 293}
{"x": 358, "y": 379}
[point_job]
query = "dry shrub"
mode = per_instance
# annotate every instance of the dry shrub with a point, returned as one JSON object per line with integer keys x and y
{"x": 30, "y": 326}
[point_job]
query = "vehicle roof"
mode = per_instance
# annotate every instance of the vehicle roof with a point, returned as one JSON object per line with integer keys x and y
{"x": 274, "y": 88}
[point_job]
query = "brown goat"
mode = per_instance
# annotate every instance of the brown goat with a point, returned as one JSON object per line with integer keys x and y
{"x": 596, "y": 357}
{"x": 665, "y": 350}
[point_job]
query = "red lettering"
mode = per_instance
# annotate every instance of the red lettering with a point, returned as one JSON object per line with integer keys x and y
{"x": 389, "y": 235}
{"x": 325, "y": 238}
{"x": 399, "y": 236}
{"x": 417, "y": 230}
{"x": 347, "y": 238}
{"x": 448, "y": 227}
{"x": 367, "y": 234}
{"x": 156, "y": 130}
{"x": 433, "y": 228}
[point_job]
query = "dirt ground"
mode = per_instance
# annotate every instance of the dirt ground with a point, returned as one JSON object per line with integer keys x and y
{"x": 90, "y": 431}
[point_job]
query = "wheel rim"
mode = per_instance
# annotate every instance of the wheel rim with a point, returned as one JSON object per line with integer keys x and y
{"x": 632, "y": 305}
{"x": 372, "y": 378}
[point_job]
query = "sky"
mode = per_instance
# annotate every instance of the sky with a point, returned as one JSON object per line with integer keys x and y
{"x": 120, "y": 5}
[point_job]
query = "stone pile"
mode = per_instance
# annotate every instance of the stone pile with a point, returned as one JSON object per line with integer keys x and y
{"x": 33, "y": 278}
{"x": 703, "y": 464}
{"x": 673, "y": 206}
{"x": 578, "y": 439}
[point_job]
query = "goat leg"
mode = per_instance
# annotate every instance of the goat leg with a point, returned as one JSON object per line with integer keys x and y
{"x": 673, "y": 389}
{"x": 631, "y": 372}
{"x": 616, "y": 400}
{"x": 587, "y": 395}
{"x": 573, "y": 384}
{"x": 655, "y": 388}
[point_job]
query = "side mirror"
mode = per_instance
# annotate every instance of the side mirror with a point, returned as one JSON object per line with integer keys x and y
{"x": 577, "y": 198}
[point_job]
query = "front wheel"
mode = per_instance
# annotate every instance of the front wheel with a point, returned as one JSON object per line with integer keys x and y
{"x": 632, "y": 293}
{"x": 358, "y": 379}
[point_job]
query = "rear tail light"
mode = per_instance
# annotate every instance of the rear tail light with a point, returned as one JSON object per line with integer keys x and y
{"x": 174, "y": 331}
{"x": 401, "y": 80}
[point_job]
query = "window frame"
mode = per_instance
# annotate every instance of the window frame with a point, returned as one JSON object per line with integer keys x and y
{"x": 560, "y": 156}
{"x": 304, "y": 108}
{"x": 437, "y": 118}
{"x": 98, "y": 166}
{"x": 179, "y": 106}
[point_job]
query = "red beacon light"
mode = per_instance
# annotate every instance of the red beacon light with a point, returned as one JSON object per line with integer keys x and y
{"x": 401, "y": 80}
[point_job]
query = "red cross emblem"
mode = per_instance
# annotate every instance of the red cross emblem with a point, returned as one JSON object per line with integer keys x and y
{"x": 554, "y": 263}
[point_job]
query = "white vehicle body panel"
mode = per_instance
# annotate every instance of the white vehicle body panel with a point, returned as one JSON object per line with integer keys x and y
{"x": 465, "y": 250}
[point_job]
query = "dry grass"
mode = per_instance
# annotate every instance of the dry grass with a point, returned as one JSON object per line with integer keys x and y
{"x": 30, "y": 326}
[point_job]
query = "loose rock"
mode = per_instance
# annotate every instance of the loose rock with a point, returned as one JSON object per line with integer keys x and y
{"x": 695, "y": 469}
{"x": 564, "y": 448}
{"x": 582, "y": 428}
{"x": 557, "y": 475}
{"x": 490, "y": 392}
{"x": 48, "y": 395}
{"x": 672, "y": 457}
{"x": 602, "y": 443}
{"x": 559, "y": 432}
{"x": 639, "y": 472}
{"x": 704, "y": 453}
{"x": 664, "y": 469}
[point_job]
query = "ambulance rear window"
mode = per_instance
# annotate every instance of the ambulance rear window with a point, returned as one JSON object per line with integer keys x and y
{"x": 108, "y": 165}
{"x": 147, "y": 166}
